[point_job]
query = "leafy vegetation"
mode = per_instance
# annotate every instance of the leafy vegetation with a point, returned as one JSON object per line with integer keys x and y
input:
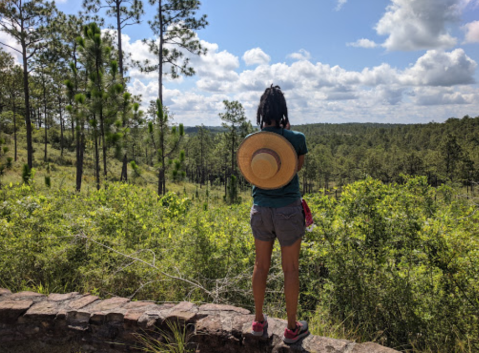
{"x": 393, "y": 263}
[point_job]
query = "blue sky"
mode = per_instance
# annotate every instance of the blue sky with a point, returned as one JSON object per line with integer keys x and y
{"x": 391, "y": 61}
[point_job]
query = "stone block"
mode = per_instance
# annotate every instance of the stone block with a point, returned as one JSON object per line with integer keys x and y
{"x": 220, "y": 307}
{"x": 185, "y": 306}
{"x": 82, "y": 302}
{"x": 27, "y": 295}
{"x": 108, "y": 304}
{"x": 62, "y": 297}
{"x": 45, "y": 310}
{"x": 4, "y": 291}
{"x": 11, "y": 310}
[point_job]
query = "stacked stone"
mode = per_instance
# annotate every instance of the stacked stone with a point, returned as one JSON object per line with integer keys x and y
{"x": 74, "y": 322}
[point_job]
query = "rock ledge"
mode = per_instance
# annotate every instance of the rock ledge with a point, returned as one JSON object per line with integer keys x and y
{"x": 74, "y": 322}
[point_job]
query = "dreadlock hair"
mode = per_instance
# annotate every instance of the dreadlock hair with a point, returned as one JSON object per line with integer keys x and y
{"x": 272, "y": 107}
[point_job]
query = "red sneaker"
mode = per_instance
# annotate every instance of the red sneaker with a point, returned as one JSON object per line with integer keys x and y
{"x": 258, "y": 328}
{"x": 293, "y": 336}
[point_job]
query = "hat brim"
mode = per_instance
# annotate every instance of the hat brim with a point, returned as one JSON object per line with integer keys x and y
{"x": 285, "y": 150}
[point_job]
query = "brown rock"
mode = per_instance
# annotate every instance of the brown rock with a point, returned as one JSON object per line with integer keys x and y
{"x": 115, "y": 318}
{"x": 131, "y": 317}
{"x": 181, "y": 317}
{"x": 97, "y": 318}
{"x": 318, "y": 343}
{"x": 25, "y": 295}
{"x": 10, "y": 310}
{"x": 109, "y": 304}
{"x": 371, "y": 347}
{"x": 219, "y": 307}
{"x": 4, "y": 291}
{"x": 62, "y": 297}
{"x": 185, "y": 306}
{"x": 82, "y": 302}
{"x": 43, "y": 310}
{"x": 137, "y": 305}
{"x": 78, "y": 320}
{"x": 209, "y": 325}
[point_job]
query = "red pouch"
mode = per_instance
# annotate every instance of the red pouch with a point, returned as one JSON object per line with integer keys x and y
{"x": 308, "y": 217}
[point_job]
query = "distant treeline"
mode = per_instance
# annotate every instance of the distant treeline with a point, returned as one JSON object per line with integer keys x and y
{"x": 342, "y": 153}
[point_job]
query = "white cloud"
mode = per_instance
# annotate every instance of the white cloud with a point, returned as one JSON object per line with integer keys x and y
{"x": 441, "y": 96}
{"x": 340, "y": 4}
{"x": 363, "y": 43}
{"x": 301, "y": 55}
{"x": 8, "y": 40}
{"x": 438, "y": 85}
{"x": 439, "y": 68}
{"x": 256, "y": 56}
{"x": 419, "y": 24}
{"x": 472, "y": 32}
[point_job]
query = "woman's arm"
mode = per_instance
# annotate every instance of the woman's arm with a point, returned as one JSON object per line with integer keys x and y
{"x": 300, "y": 162}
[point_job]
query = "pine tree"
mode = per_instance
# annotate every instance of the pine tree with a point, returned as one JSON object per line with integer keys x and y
{"x": 104, "y": 88}
{"x": 168, "y": 142}
{"x": 237, "y": 126}
{"x": 26, "y": 22}
{"x": 174, "y": 26}
{"x": 125, "y": 12}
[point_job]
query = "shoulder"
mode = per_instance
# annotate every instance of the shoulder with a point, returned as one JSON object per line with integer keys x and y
{"x": 296, "y": 135}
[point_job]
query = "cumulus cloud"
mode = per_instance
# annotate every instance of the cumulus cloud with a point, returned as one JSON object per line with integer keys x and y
{"x": 340, "y": 4}
{"x": 472, "y": 32}
{"x": 10, "y": 43}
{"x": 438, "y": 85}
{"x": 441, "y": 96}
{"x": 439, "y": 68}
{"x": 300, "y": 55}
{"x": 419, "y": 24}
{"x": 363, "y": 43}
{"x": 256, "y": 56}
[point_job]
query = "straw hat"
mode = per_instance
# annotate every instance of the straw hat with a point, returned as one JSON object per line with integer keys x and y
{"x": 267, "y": 160}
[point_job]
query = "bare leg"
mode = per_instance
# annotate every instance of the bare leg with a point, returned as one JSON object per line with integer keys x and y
{"x": 290, "y": 261}
{"x": 260, "y": 274}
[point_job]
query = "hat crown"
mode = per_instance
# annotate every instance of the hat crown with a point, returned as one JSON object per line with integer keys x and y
{"x": 265, "y": 163}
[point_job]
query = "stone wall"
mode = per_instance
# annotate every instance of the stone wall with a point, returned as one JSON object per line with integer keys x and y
{"x": 74, "y": 322}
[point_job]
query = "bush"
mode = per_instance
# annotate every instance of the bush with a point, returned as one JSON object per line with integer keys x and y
{"x": 394, "y": 263}
{"x": 390, "y": 261}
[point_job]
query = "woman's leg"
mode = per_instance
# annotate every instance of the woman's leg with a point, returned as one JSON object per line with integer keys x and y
{"x": 290, "y": 262}
{"x": 260, "y": 274}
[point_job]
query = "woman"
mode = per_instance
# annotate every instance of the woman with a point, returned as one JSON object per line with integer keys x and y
{"x": 278, "y": 214}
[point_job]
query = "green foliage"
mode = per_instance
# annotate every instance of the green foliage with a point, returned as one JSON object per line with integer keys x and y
{"x": 176, "y": 339}
{"x": 48, "y": 181}
{"x": 135, "y": 168}
{"x": 233, "y": 191}
{"x": 26, "y": 174}
{"x": 394, "y": 264}
{"x": 407, "y": 252}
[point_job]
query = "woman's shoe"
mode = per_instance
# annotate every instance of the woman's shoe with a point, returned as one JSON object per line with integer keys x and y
{"x": 258, "y": 328}
{"x": 293, "y": 336}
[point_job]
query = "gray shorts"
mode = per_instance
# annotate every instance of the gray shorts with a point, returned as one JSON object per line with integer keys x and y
{"x": 285, "y": 223}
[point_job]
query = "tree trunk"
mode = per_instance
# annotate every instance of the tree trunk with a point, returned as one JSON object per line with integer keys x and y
{"x": 124, "y": 169}
{"x": 73, "y": 131}
{"x": 28, "y": 122}
{"x": 118, "y": 30}
{"x": 162, "y": 187}
{"x": 97, "y": 160}
{"x": 160, "y": 54}
{"x": 15, "y": 128}
{"x": 61, "y": 125}
{"x": 79, "y": 154}
{"x": 45, "y": 117}
{"x": 233, "y": 169}
{"x": 103, "y": 145}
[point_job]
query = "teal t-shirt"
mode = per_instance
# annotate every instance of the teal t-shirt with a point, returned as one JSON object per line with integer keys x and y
{"x": 289, "y": 193}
